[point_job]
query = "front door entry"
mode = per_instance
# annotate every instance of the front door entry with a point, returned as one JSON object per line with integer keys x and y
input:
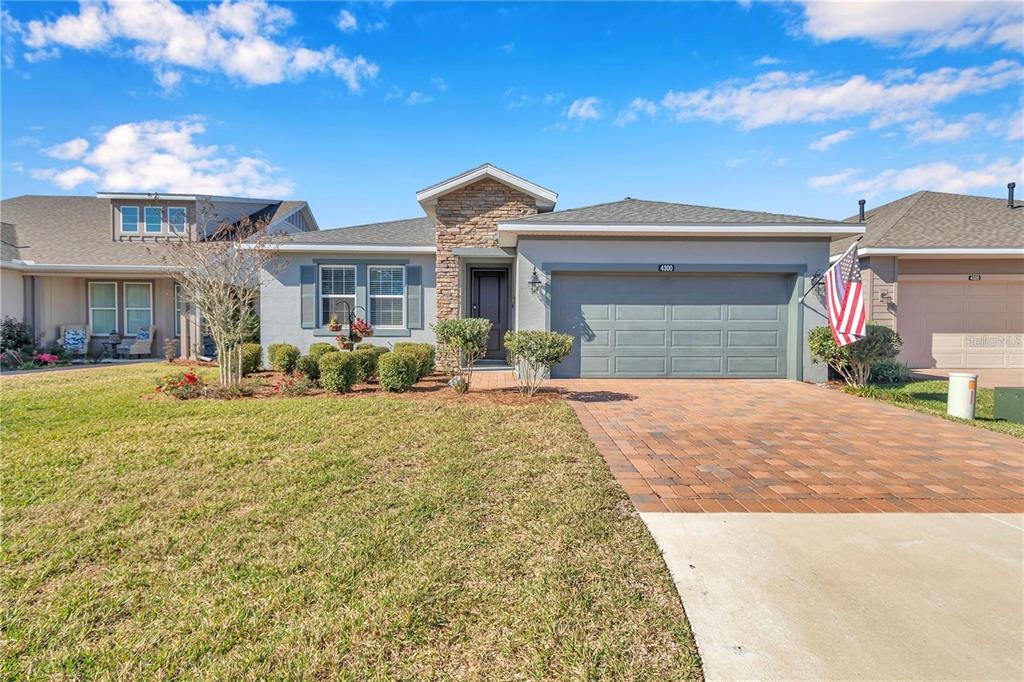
{"x": 489, "y": 299}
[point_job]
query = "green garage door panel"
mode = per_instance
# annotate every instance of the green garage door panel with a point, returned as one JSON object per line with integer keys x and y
{"x": 631, "y": 325}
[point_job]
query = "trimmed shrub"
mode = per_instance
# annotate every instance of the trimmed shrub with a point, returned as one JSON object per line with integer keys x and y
{"x": 338, "y": 372}
{"x": 366, "y": 360}
{"x": 252, "y": 357}
{"x": 16, "y": 335}
{"x": 890, "y": 372}
{"x": 853, "y": 361}
{"x": 272, "y": 351}
{"x": 464, "y": 338}
{"x": 316, "y": 350}
{"x": 285, "y": 357}
{"x": 424, "y": 353}
{"x": 366, "y": 344}
{"x": 397, "y": 371}
{"x": 534, "y": 352}
{"x": 309, "y": 367}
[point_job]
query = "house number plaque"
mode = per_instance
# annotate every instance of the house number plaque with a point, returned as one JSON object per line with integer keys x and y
{"x": 667, "y": 267}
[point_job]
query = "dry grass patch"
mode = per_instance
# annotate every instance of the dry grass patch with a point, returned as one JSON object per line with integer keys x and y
{"x": 358, "y": 537}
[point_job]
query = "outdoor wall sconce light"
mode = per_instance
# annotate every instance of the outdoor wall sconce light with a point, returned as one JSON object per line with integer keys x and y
{"x": 535, "y": 283}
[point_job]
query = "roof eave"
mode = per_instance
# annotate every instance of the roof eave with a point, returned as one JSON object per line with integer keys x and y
{"x": 544, "y": 197}
{"x": 293, "y": 247}
{"x": 944, "y": 252}
{"x": 509, "y": 233}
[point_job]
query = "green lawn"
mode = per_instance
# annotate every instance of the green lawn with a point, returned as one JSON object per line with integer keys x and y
{"x": 930, "y": 397}
{"x": 320, "y": 537}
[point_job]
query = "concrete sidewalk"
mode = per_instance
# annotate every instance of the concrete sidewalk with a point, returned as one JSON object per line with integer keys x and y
{"x": 850, "y": 596}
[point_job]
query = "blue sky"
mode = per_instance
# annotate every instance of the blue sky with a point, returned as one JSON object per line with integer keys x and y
{"x": 796, "y": 108}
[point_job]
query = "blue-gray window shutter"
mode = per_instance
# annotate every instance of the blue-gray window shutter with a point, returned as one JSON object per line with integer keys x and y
{"x": 414, "y": 297}
{"x": 307, "y": 289}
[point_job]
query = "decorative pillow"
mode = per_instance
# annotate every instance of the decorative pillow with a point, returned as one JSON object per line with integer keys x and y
{"x": 143, "y": 335}
{"x": 74, "y": 339}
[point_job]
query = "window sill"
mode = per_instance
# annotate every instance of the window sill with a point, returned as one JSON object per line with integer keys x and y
{"x": 324, "y": 332}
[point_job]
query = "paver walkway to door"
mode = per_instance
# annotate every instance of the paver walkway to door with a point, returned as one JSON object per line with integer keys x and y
{"x": 778, "y": 446}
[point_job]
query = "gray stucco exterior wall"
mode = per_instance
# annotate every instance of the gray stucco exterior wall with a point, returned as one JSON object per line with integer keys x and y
{"x": 280, "y": 302}
{"x": 799, "y": 257}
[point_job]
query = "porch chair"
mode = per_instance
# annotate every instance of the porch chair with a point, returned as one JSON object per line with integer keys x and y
{"x": 142, "y": 345}
{"x": 74, "y": 338}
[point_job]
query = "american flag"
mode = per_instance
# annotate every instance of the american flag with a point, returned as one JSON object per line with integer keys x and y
{"x": 843, "y": 293}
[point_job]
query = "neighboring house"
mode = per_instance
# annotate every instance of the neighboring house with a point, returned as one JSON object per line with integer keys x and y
{"x": 947, "y": 272}
{"x": 96, "y": 261}
{"x": 647, "y": 288}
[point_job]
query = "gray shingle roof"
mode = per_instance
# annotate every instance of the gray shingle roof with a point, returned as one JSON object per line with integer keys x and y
{"x": 70, "y": 230}
{"x": 408, "y": 232}
{"x": 941, "y": 220}
{"x": 641, "y": 212}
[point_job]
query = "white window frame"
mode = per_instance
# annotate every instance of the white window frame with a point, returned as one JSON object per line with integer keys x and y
{"x": 138, "y": 218}
{"x": 321, "y": 295}
{"x": 184, "y": 223}
{"x": 145, "y": 220}
{"x": 370, "y": 297}
{"x": 179, "y": 306}
{"x": 92, "y": 326}
{"x": 131, "y": 332}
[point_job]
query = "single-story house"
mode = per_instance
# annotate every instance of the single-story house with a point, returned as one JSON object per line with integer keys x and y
{"x": 947, "y": 272}
{"x": 96, "y": 261}
{"x": 646, "y": 288}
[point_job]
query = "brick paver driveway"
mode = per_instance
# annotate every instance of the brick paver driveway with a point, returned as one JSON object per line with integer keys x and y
{"x": 733, "y": 445}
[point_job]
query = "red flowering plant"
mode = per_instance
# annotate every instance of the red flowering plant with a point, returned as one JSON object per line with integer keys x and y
{"x": 182, "y": 385}
{"x": 294, "y": 386}
{"x": 46, "y": 358}
{"x": 362, "y": 328}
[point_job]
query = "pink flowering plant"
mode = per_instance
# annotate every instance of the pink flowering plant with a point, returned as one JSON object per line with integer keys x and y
{"x": 46, "y": 358}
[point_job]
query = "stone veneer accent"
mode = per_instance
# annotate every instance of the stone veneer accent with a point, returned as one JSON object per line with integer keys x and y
{"x": 468, "y": 217}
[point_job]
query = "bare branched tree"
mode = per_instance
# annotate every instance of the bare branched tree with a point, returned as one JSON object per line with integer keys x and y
{"x": 219, "y": 266}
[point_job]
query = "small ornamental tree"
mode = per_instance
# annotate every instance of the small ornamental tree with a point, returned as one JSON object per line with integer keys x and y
{"x": 465, "y": 340}
{"x": 534, "y": 353}
{"x": 853, "y": 362}
{"x": 219, "y": 264}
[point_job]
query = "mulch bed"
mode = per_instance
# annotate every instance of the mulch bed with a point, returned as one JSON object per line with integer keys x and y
{"x": 263, "y": 385}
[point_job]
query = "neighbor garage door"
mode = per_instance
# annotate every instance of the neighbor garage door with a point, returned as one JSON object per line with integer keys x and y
{"x": 631, "y": 325}
{"x": 958, "y": 323}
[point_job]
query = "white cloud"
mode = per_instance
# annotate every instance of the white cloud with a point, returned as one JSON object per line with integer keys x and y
{"x": 238, "y": 39}
{"x": 347, "y": 21}
{"x": 834, "y": 179}
{"x": 942, "y": 176}
{"x": 36, "y": 56}
{"x": 439, "y": 83}
{"x": 167, "y": 79}
{"x": 509, "y": 47}
{"x": 939, "y": 130}
{"x": 72, "y": 149}
{"x": 923, "y": 26}
{"x": 586, "y": 108}
{"x": 416, "y": 97}
{"x": 767, "y": 60}
{"x": 520, "y": 97}
{"x": 632, "y": 112}
{"x": 784, "y": 97}
{"x": 164, "y": 156}
{"x": 824, "y": 142}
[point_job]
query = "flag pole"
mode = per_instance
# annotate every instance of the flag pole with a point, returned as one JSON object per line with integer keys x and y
{"x": 819, "y": 277}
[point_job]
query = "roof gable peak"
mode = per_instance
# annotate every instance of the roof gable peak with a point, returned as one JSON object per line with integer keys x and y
{"x": 544, "y": 197}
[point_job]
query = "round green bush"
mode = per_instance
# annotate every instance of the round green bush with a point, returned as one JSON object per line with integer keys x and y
{"x": 252, "y": 357}
{"x": 397, "y": 371}
{"x": 366, "y": 360}
{"x": 309, "y": 367}
{"x": 338, "y": 372}
{"x": 316, "y": 350}
{"x": 285, "y": 358}
{"x": 853, "y": 361}
{"x": 424, "y": 354}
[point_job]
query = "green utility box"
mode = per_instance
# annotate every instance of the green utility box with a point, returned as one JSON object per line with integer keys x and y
{"x": 1010, "y": 404}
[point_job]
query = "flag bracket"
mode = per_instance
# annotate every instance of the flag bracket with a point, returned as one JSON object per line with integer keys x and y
{"x": 819, "y": 276}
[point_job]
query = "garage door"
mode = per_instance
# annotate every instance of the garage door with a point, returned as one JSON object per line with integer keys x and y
{"x": 672, "y": 325}
{"x": 961, "y": 323}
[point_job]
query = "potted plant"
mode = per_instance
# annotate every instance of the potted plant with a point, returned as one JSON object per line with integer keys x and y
{"x": 361, "y": 328}
{"x": 334, "y": 325}
{"x": 344, "y": 343}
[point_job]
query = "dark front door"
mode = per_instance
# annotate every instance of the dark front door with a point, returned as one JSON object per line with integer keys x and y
{"x": 489, "y": 298}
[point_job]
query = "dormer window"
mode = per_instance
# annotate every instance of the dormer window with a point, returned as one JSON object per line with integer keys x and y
{"x": 129, "y": 218}
{"x": 154, "y": 220}
{"x": 176, "y": 216}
